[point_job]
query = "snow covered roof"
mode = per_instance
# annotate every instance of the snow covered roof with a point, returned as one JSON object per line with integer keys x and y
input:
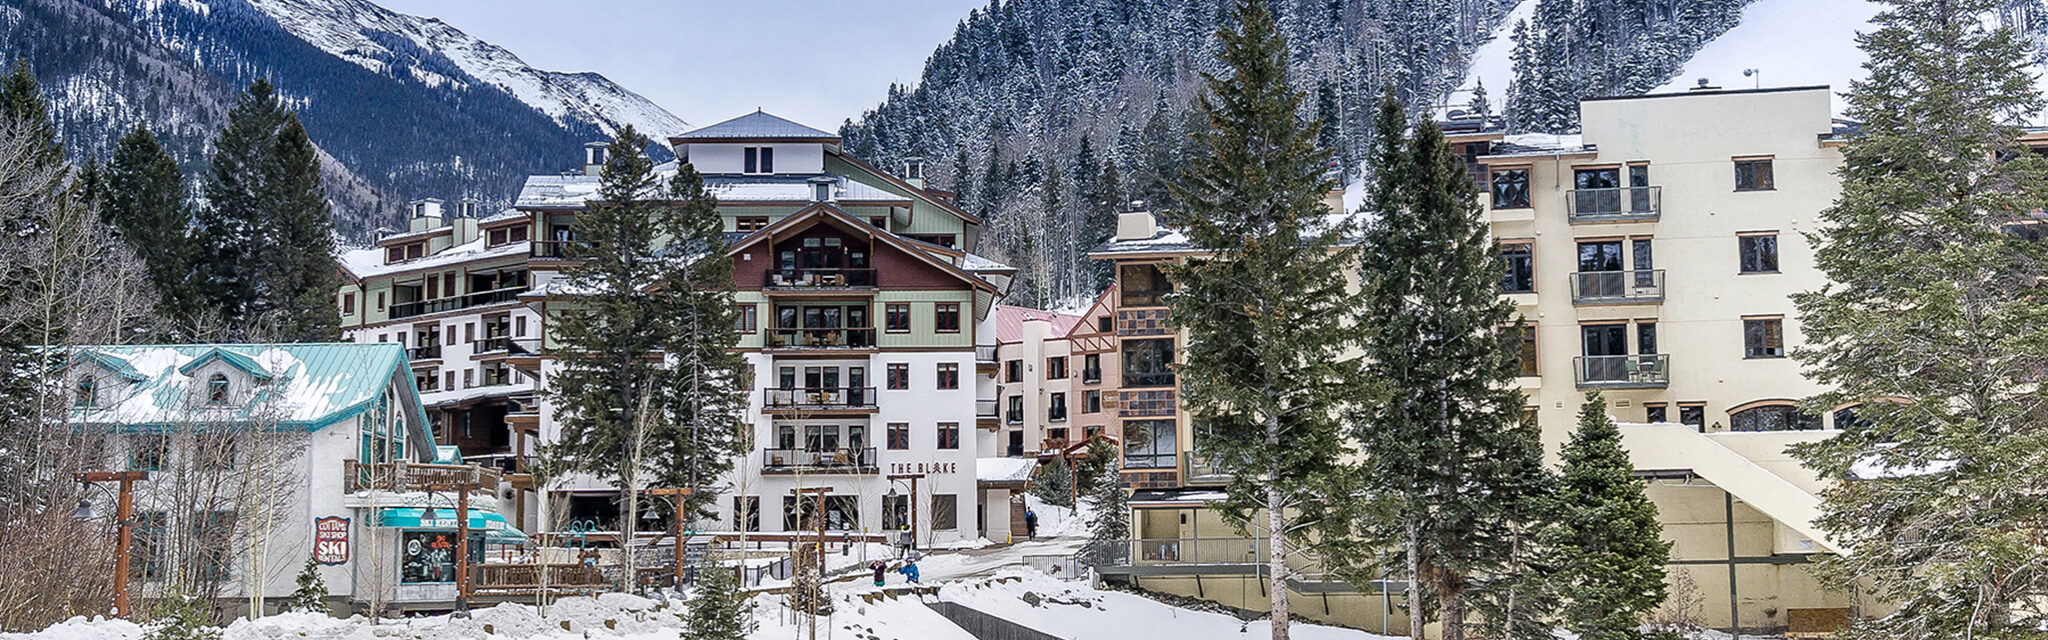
{"x": 1004, "y": 469}
{"x": 502, "y": 216}
{"x": 571, "y": 191}
{"x": 457, "y": 396}
{"x": 369, "y": 262}
{"x": 298, "y": 386}
{"x": 976, "y": 263}
{"x": 759, "y": 124}
{"x": 1539, "y": 144}
{"x": 1163, "y": 241}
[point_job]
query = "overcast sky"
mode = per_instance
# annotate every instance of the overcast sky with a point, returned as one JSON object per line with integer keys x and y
{"x": 818, "y": 62}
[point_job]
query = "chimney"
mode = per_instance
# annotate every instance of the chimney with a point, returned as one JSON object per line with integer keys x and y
{"x": 822, "y": 187}
{"x": 426, "y": 214}
{"x": 1136, "y": 225}
{"x": 913, "y": 171}
{"x": 593, "y": 157}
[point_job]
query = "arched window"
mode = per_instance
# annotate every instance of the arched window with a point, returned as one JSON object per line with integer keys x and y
{"x": 1773, "y": 417}
{"x": 88, "y": 392}
{"x": 217, "y": 389}
{"x": 1846, "y": 417}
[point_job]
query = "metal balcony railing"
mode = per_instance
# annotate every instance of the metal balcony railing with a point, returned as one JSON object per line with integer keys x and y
{"x": 821, "y": 338}
{"x": 1615, "y": 205}
{"x": 425, "y": 352}
{"x": 1200, "y": 471}
{"x": 843, "y": 459}
{"x": 819, "y": 398}
{"x": 820, "y": 278}
{"x": 1650, "y": 371}
{"x": 984, "y": 353}
{"x": 438, "y": 305}
{"x": 1612, "y": 287}
{"x": 1056, "y": 415}
{"x": 555, "y": 249}
{"x": 1091, "y": 374}
{"x": 1014, "y": 416}
{"x": 985, "y": 408}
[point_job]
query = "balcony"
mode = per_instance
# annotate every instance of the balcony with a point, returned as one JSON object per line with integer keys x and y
{"x": 401, "y": 477}
{"x": 841, "y": 460}
{"x": 555, "y": 249}
{"x": 1200, "y": 471}
{"x": 802, "y": 339}
{"x": 1652, "y": 371}
{"x": 1091, "y": 375}
{"x": 985, "y": 353}
{"x": 819, "y": 399}
{"x": 819, "y": 279}
{"x": 1628, "y": 204}
{"x": 425, "y": 352}
{"x": 985, "y": 409}
{"x": 1618, "y": 287}
{"x": 440, "y": 305}
{"x": 1014, "y": 416}
{"x": 1056, "y": 415}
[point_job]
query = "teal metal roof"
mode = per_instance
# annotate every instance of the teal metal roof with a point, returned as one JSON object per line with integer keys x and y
{"x": 299, "y": 386}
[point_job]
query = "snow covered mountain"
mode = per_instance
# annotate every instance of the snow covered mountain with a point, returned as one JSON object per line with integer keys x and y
{"x": 404, "y": 107}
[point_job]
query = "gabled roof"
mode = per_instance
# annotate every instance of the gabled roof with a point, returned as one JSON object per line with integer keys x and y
{"x": 117, "y": 366}
{"x": 822, "y": 211}
{"x": 756, "y": 125}
{"x": 306, "y": 386}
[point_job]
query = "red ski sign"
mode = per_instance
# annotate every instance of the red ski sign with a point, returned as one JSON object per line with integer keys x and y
{"x": 330, "y": 540}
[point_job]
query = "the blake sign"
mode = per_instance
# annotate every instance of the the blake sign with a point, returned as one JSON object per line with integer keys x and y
{"x": 928, "y": 468}
{"x": 330, "y": 540}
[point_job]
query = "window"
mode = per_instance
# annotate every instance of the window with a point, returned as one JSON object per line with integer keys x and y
{"x": 1013, "y": 371}
{"x": 1015, "y": 414}
{"x": 380, "y": 301}
{"x": 217, "y": 389}
{"x": 1148, "y": 363}
{"x": 1646, "y": 338}
{"x": 1759, "y": 252}
{"x": 1091, "y": 368}
{"x": 1655, "y": 412}
{"x": 1105, "y": 324}
{"x": 1773, "y": 417}
{"x": 1143, "y": 285}
{"x": 1693, "y": 415}
{"x": 896, "y": 317}
{"x": 1511, "y": 189}
{"x": 1763, "y": 337}
{"x": 750, "y": 223}
{"x": 520, "y": 323}
{"x": 899, "y": 436}
{"x": 88, "y": 392}
{"x": 1754, "y": 174}
{"x": 1149, "y": 444}
{"x": 895, "y": 512}
{"x": 147, "y": 453}
{"x": 747, "y": 321}
{"x": 1091, "y": 401}
{"x": 151, "y": 537}
{"x": 746, "y": 512}
{"x": 1056, "y": 407}
{"x": 945, "y": 511}
{"x": 1519, "y": 260}
{"x": 949, "y": 375}
{"x": 1525, "y": 341}
{"x": 760, "y": 160}
{"x": 1056, "y": 368}
{"x": 1847, "y": 417}
{"x": 429, "y": 556}
{"x": 946, "y": 317}
{"x": 949, "y": 435}
{"x": 348, "y": 304}
{"x": 899, "y": 376}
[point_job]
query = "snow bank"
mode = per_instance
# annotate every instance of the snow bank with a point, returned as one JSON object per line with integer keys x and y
{"x": 1071, "y": 610}
{"x": 1791, "y": 42}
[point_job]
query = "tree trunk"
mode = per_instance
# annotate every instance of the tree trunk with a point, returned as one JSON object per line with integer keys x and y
{"x": 1276, "y": 561}
{"x": 1414, "y": 579}
{"x": 1453, "y": 607}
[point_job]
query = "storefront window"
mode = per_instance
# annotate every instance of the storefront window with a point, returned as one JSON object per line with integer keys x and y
{"x": 429, "y": 556}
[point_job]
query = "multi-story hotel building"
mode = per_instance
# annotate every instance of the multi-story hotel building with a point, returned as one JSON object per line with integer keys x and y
{"x": 863, "y": 317}
{"x": 1054, "y": 370}
{"x": 1653, "y": 258}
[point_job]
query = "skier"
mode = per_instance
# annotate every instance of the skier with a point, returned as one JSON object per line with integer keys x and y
{"x": 881, "y": 569}
{"x": 1030, "y": 523}
{"x": 909, "y": 570}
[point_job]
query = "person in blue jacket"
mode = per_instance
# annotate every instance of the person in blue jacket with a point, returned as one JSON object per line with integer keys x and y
{"x": 909, "y": 570}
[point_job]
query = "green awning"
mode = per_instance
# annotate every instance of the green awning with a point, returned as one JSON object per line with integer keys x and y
{"x": 496, "y": 528}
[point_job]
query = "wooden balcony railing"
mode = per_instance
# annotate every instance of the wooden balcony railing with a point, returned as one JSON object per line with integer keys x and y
{"x": 840, "y": 460}
{"x": 524, "y": 579}
{"x": 403, "y": 477}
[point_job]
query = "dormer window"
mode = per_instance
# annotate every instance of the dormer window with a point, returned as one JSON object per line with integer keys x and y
{"x": 760, "y": 159}
{"x": 404, "y": 252}
{"x": 88, "y": 393}
{"x": 508, "y": 235}
{"x": 217, "y": 389}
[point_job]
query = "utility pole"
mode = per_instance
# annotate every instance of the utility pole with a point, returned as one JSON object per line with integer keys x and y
{"x": 679, "y": 493}
{"x": 124, "y": 520}
{"x": 461, "y": 489}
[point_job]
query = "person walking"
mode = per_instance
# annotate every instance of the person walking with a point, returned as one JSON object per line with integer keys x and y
{"x": 1030, "y": 524}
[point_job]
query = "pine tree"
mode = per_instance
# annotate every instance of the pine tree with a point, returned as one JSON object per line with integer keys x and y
{"x": 266, "y": 237}
{"x": 1109, "y": 526}
{"x": 1055, "y": 483}
{"x": 311, "y": 594}
{"x": 1605, "y": 548}
{"x": 1449, "y": 417}
{"x": 1932, "y": 323}
{"x": 142, "y": 193}
{"x": 719, "y": 610}
{"x": 22, "y": 103}
{"x": 1263, "y": 365}
{"x": 707, "y": 392}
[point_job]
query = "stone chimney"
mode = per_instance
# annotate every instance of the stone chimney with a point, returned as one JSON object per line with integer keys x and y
{"x": 593, "y": 157}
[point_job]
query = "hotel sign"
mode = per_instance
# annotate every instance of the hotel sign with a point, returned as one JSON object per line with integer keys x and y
{"x": 330, "y": 540}
{"x": 927, "y": 468}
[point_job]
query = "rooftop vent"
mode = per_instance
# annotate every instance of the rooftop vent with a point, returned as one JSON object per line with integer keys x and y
{"x": 1704, "y": 86}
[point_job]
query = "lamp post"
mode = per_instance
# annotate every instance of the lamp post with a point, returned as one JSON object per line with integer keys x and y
{"x": 677, "y": 504}
{"x": 124, "y": 521}
{"x": 461, "y": 488}
{"x": 913, "y": 478}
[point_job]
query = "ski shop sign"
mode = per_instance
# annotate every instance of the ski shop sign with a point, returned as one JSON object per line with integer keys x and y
{"x": 330, "y": 540}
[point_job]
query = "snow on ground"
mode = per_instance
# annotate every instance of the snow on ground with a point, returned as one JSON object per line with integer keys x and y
{"x": 1076, "y": 611}
{"x": 1792, "y": 42}
{"x": 1493, "y": 62}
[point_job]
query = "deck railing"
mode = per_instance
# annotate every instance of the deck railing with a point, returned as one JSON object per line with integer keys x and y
{"x": 842, "y": 459}
{"x": 454, "y": 303}
{"x": 1610, "y": 287}
{"x": 819, "y": 398}
{"x": 1622, "y": 372}
{"x": 819, "y": 278}
{"x": 1615, "y": 205}
{"x": 522, "y": 579}
{"x": 404, "y": 477}
{"x": 856, "y": 338}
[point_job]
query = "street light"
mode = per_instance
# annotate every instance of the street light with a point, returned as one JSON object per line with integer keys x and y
{"x": 84, "y": 511}
{"x": 124, "y": 512}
